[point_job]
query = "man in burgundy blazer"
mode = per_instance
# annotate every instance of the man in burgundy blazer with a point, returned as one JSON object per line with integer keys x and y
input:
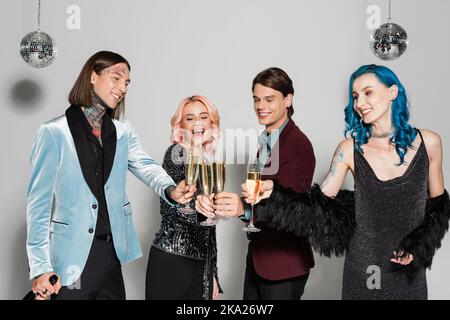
{"x": 278, "y": 263}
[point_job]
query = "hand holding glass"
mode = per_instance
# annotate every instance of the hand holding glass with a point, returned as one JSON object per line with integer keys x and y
{"x": 191, "y": 168}
{"x": 206, "y": 179}
{"x": 219, "y": 185}
{"x": 253, "y": 183}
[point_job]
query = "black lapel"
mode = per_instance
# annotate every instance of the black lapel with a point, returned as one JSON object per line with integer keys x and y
{"x": 74, "y": 116}
{"x": 109, "y": 140}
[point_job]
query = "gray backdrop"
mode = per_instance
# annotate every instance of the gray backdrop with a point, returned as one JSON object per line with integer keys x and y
{"x": 215, "y": 48}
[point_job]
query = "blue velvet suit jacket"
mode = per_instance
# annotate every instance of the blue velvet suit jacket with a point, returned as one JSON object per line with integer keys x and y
{"x": 62, "y": 209}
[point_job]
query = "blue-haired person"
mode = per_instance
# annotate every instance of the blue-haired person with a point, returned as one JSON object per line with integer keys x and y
{"x": 392, "y": 224}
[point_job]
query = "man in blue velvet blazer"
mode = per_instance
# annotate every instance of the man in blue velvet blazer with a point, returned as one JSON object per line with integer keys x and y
{"x": 79, "y": 219}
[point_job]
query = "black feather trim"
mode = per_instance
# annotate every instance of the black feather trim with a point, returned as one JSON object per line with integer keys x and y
{"x": 327, "y": 222}
{"x": 426, "y": 238}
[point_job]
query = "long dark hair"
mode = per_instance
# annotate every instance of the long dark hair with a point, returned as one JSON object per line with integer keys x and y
{"x": 81, "y": 93}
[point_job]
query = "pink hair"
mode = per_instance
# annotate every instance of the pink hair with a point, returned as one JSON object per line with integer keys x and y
{"x": 177, "y": 136}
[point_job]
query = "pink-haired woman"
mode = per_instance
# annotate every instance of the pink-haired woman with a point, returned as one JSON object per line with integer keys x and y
{"x": 183, "y": 258}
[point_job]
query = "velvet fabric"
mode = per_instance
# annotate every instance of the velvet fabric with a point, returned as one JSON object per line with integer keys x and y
{"x": 61, "y": 208}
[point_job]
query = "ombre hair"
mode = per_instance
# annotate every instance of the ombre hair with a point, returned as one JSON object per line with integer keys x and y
{"x": 178, "y": 136}
{"x": 81, "y": 93}
{"x": 404, "y": 134}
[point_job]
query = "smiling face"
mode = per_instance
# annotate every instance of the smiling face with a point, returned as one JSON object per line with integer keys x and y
{"x": 196, "y": 123}
{"x": 270, "y": 106}
{"x": 111, "y": 84}
{"x": 372, "y": 98}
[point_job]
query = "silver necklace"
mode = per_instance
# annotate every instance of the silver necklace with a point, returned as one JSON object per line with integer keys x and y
{"x": 382, "y": 135}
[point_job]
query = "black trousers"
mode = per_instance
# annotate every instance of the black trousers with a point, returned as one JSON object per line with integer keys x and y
{"x": 257, "y": 288}
{"x": 172, "y": 277}
{"x": 101, "y": 278}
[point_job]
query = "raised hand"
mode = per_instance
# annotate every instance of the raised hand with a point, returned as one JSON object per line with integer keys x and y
{"x": 265, "y": 191}
{"x": 183, "y": 193}
{"x": 204, "y": 205}
{"x": 228, "y": 204}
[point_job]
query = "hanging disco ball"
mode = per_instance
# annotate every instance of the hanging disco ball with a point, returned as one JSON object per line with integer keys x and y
{"x": 37, "y": 49}
{"x": 389, "y": 41}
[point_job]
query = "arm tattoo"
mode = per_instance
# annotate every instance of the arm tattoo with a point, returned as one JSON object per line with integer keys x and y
{"x": 337, "y": 158}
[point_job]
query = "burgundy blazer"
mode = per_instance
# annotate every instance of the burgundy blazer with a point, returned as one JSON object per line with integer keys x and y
{"x": 280, "y": 255}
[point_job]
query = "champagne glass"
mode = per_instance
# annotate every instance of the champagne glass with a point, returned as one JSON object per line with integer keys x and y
{"x": 191, "y": 168}
{"x": 219, "y": 183}
{"x": 206, "y": 179}
{"x": 253, "y": 183}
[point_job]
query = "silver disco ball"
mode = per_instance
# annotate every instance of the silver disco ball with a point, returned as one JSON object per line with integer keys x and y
{"x": 37, "y": 49}
{"x": 389, "y": 41}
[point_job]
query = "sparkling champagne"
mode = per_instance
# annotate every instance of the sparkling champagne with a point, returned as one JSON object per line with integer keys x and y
{"x": 219, "y": 176}
{"x": 253, "y": 183}
{"x": 191, "y": 169}
{"x": 206, "y": 178}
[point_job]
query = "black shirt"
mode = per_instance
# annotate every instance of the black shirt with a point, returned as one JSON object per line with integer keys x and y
{"x": 103, "y": 226}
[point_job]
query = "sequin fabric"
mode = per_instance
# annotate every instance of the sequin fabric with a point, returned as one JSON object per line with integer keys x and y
{"x": 182, "y": 234}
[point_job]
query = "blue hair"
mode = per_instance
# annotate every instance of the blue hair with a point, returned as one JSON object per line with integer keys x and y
{"x": 404, "y": 134}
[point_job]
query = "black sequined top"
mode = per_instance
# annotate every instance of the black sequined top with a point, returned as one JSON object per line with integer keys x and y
{"x": 182, "y": 234}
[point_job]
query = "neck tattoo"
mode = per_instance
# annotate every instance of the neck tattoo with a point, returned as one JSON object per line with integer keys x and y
{"x": 94, "y": 114}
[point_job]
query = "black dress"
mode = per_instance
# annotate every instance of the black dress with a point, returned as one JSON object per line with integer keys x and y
{"x": 385, "y": 212}
{"x": 183, "y": 257}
